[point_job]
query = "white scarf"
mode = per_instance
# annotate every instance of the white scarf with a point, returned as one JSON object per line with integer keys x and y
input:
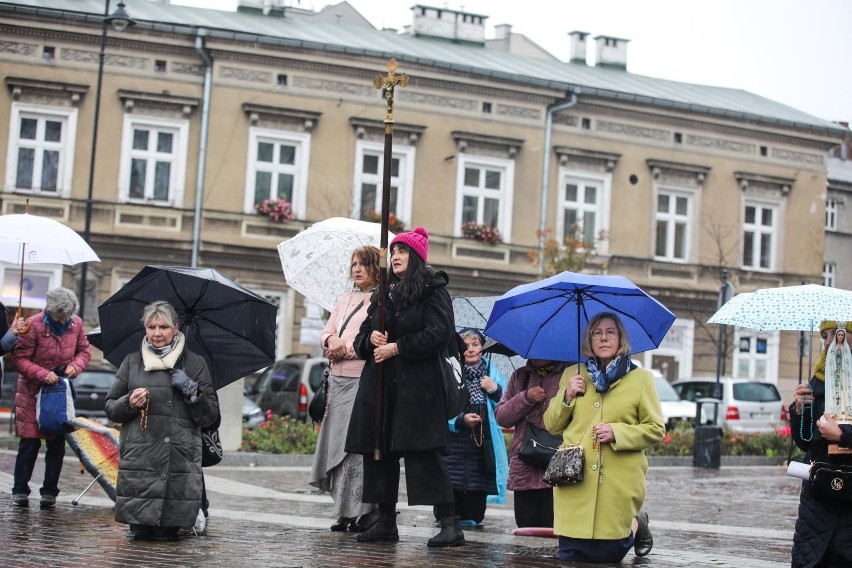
{"x": 167, "y": 362}
{"x": 838, "y": 378}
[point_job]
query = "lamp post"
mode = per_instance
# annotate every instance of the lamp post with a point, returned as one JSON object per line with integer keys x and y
{"x": 120, "y": 21}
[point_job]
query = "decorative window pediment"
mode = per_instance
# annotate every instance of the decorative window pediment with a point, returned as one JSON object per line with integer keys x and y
{"x": 47, "y": 92}
{"x": 487, "y": 145}
{"x": 280, "y": 118}
{"x": 678, "y": 173}
{"x": 761, "y": 184}
{"x": 586, "y": 160}
{"x": 159, "y": 104}
{"x": 374, "y": 130}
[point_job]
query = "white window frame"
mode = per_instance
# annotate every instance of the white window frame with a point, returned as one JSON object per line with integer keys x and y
{"x": 671, "y": 218}
{"x": 678, "y": 343}
{"x": 507, "y": 183}
{"x": 65, "y": 169}
{"x": 831, "y": 214}
{"x": 10, "y": 276}
{"x": 404, "y": 182}
{"x": 758, "y": 230}
{"x": 603, "y": 183}
{"x": 299, "y": 169}
{"x": 829, "y": 274}
{"x": 177, "y": 177}
{"x": 750, "y": 358}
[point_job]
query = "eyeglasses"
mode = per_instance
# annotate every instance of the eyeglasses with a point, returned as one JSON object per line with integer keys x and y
{"x": 599, "y": 334}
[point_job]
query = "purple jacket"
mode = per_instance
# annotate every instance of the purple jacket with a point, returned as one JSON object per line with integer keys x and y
{"x": 37, "y": 353}
{"x": 510, "y": 412}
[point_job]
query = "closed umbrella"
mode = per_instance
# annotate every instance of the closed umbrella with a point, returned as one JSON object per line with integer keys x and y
{"x": 97, "y": 447}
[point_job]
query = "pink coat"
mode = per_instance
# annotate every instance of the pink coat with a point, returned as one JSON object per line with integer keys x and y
{"x": 510, "y": 412}
{"x": 37, "y": 353}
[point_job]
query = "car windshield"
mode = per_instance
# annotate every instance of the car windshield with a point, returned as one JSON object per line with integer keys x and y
{"x": 665, "y": 390}
{"x": 756, "y": 392}
{"x": 280, "y": 377}
{"x": 94, "y": 380}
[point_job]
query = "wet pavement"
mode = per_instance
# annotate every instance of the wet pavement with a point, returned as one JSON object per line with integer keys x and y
{"x": 737, "y": 516}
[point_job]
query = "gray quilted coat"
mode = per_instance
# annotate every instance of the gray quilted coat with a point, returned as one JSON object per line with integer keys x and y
{"x": 159, "y": 475}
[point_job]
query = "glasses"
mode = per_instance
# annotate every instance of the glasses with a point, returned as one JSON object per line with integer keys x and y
{"x": 599, "y": 334}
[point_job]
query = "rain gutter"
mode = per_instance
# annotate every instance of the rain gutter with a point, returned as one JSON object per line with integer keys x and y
{"x": 202, "y": 149}
{"x": 545, "y": 172}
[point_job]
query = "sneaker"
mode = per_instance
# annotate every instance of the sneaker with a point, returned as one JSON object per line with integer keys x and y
{"x": 48, "y": 501}
{"x": 21, "y": 499}
{"x": 642, "y": 541}
{"x": 200, "y": 523}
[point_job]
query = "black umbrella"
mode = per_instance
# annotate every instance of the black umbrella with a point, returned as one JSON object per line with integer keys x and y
{"x": 95, "y": 338}
{"x": 232, "y": 327}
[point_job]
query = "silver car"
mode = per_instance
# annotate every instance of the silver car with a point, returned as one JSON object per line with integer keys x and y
{"x": 747, "y": 405}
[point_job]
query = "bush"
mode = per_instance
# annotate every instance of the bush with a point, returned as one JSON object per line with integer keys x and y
{"x": 680, "y": 442}
{"x": 277, "y": 209}
{"x": 280, "y": 435}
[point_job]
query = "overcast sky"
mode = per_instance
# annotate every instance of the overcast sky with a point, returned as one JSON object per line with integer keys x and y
{"x": 792, "y": 51}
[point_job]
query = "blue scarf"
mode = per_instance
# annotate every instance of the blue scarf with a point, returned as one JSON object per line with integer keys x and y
{"x": 616, "y": 369}
{"x": 473, "y": 374}
{"x": 57, "y": 328}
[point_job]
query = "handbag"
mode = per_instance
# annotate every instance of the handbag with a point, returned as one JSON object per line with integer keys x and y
{"x": 831, "y": 483}
{"x": 566, "y": 467}
{"x": 456, "y": 395}
{"x": 319, "y": 402}
{"x": 538, "y": 445}
{"x": 211, "y": 446}
{"x": 55, "y": 408}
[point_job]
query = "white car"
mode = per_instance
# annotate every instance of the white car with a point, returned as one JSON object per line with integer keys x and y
{"x": 675, "y": 409}
{"x": 747, "y": 405}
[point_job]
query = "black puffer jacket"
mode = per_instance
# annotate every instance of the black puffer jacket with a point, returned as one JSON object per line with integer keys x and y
{"x": 471, "y": 466}
{"x": 159, "y": 476}
{"x": 413, "y": 410}
{"x": 821, "y": 527}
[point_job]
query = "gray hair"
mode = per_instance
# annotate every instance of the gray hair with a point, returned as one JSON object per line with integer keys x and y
{"x": 160, "y": 310}
{"x": 61, "y": 303}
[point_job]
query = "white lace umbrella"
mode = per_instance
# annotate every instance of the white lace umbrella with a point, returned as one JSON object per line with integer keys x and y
{"x": 316, "y": 261}
{"x": 791, "y": 308}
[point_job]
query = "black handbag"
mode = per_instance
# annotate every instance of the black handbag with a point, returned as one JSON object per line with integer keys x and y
{"x": 831, "y": 483}
{"x": 538, "y": 445}
{"x": 456, "y": 395}
{"x": 211, "y": 446}
{"x": 319, "y": 402}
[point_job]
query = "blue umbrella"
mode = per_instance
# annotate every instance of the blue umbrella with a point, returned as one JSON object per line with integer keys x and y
{"x": 545, "y": 319}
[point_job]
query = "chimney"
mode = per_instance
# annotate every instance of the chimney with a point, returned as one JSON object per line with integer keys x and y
{"x": 578, "y": 46}
{"x": 502, "y": 31}
{"x": 611, "y": 52}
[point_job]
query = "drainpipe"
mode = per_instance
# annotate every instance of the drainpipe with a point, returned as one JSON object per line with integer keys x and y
{"x": 545, "y": 173}
{"x": 202, "y": 148}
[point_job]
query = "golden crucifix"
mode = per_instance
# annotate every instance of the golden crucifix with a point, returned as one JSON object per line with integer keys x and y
{"x": 388, "y": 83}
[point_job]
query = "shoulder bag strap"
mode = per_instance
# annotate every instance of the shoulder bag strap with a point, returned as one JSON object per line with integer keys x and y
{"x": 346, "y": 321}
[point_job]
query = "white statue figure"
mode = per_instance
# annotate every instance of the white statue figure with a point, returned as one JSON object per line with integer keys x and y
{"x": 838, "y": 377}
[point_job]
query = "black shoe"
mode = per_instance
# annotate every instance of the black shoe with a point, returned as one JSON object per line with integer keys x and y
{"x": 48, "y": 501}
{"x": 642, "y": 541}
{"x": 21, "y": 499}
{"x": 364, "y": 522}
{"x": 383, "y": 530}
{"x": 342, "y": 524}
{"x": 450, "y": 535}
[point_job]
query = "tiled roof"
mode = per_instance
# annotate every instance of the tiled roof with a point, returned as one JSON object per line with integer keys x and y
{"x": 599, "y": 81}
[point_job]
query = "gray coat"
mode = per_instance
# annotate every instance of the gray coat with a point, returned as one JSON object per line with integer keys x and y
{"x": 159, "y": 474}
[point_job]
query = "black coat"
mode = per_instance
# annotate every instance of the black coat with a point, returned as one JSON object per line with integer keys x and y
{"x": 413, "y": 406}
{"x": 820, "y": 524}
{"x": 471, "y": 466}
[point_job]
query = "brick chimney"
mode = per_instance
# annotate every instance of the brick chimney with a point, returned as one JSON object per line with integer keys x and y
{"x": 578, "y": 46}
{"x": 611, "y": 52}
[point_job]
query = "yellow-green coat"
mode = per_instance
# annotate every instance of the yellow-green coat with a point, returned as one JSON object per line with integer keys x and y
{"x": 603, "y": 505}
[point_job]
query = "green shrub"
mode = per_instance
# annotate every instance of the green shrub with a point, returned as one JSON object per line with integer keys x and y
{"x": 280, "y": 435}
{"x": 680, "y": 442}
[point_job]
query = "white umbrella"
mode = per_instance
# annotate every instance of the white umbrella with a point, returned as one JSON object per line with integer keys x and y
{"x": 788, "y": 308}
{"x": 26, "y": 238}
{"x": 316, "y": 262}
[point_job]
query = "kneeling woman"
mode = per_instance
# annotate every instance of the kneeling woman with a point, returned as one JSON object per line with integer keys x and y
{"x": 162, "y": 396}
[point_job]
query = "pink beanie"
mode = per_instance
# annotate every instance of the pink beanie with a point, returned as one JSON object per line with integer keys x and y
{"x": 417, "y": 240}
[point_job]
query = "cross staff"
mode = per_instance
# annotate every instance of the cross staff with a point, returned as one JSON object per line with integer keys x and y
{"x": 387, "y": 83}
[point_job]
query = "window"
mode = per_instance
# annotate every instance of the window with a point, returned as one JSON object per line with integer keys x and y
{"x": 278, "y": 168}
{"x": 486, "y": 108}
{"x": 831, "y": 214}
{"x": 282, "y": 80}
{"x": 41, "y": 149}
{"x": 160, "y": 65}
{"x": 48, "y": 53}
{"x": 759, "y": 225}
{"x": 829, "y": 270}
{"x": 484, "y": 193}
{"x": 582, "y": 204}
{"x": 756, "y": 355}
{"x": 369, "y": 177}
{"x": 672, "y": 226}
{"x": 153, "y": 160}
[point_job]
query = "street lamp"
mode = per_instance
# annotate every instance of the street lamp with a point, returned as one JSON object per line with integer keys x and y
{"x": 120, "y": 21}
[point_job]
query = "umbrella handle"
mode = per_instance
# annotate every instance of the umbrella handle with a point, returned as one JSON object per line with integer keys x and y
{"x": 76, "y": 501}
{"x": 27, "y": 325}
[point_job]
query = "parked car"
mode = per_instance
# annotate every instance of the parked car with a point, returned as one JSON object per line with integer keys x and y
{"x": 747, "y": 405}
{"x": 286, "y": 386}
{"x": 675, "y": 409}
{"x": 92, "y": 387}
{"x": 252, "y": 414}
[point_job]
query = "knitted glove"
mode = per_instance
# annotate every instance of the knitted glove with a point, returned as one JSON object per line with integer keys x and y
{"x": 182, "y": 382}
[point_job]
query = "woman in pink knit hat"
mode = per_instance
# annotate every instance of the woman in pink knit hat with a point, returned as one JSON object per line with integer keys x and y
{"x": 419, "y": 322}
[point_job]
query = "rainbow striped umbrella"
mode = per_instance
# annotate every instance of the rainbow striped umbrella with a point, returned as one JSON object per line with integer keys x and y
{"x": 97, "y": 447}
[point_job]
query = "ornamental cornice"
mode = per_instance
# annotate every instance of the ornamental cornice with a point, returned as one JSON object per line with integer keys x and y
{"x": 664, "y": 169}
{"x": 607, "y": 160}
{"x": 183, "y": 104}
{"x": 749, "y": 181}
{"x": 363, "y": 126}
{"x": 509, "y": 145}
{"x": 308, "y": 119}
{"x": 73, "y": 92}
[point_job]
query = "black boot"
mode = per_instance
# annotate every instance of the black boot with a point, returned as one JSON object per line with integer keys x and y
{"x": 450, "y": 535}
{"x": 342, "y": 524}
{"x": 642, "y": 540}
{"x": 383, "y": 530}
